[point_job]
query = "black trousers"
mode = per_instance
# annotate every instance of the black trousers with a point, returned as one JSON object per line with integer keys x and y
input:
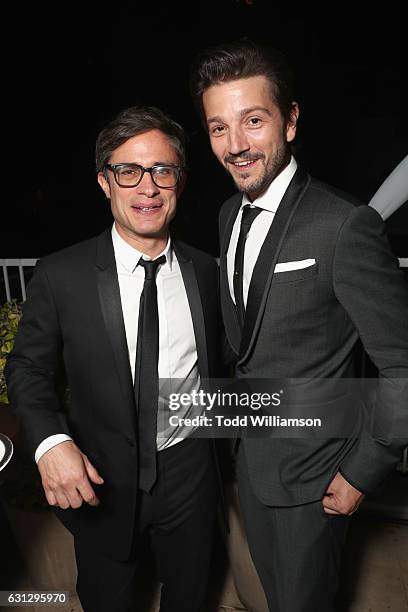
{"x": 296, "y": 550}
{"x": 178, "y": 516}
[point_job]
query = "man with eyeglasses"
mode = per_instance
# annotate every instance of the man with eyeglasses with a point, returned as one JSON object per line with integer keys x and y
{"x": 125, "y": 312}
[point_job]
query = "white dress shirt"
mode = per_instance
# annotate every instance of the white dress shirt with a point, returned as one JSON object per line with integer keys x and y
{"x": 178, "y": 364}
{"x": 269, "y": 202}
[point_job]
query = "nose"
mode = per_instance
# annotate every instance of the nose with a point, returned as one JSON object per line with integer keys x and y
{"x": 147, "y": 187}
{"x": 237, "y": 142}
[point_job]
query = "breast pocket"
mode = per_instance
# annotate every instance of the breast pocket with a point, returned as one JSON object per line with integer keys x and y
{"x": 293, "y": 276}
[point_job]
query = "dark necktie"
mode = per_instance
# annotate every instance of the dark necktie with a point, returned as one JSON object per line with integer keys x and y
{"x": 146, "y": 374}
{"x": 249, "y": 213}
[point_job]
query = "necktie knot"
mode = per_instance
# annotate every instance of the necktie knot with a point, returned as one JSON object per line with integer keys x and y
{"x": 249, "y": 214}
{"x": 150, "y": 266}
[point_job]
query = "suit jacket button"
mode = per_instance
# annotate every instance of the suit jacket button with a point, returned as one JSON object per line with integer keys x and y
{"x": 130, "y": 442}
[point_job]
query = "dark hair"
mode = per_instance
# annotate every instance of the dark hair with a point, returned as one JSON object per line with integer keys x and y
{"x": 133, "y": 121}
{"x": 242, "y": 59}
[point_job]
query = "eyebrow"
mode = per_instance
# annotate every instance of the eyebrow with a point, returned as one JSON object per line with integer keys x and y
{"x": 242, "y": 113}
{"x": 156, "y": 163}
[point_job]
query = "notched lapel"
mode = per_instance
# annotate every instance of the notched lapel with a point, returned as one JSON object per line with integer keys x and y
{"x": 111, "y": 307}
{"x": 189, "y": 275}
{"x": 263, "y": 272}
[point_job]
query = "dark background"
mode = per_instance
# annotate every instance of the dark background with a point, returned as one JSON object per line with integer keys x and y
{"x": 69, "y": 70}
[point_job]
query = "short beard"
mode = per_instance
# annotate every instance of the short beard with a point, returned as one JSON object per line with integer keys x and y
{"x": 275, "y": 167}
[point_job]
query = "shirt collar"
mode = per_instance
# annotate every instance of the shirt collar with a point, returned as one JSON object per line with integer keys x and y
{"x": 272, "y": 197}
{"x": 129, "y": 257}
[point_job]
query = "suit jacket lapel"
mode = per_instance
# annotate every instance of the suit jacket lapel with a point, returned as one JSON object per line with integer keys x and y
{"x": 264, "y": 268}
{"x": 229, "y": 312}
{"x": 111, "y": 306}
{"x": 188, "y": 273}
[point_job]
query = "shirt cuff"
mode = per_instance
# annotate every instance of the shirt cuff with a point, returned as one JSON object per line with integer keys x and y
{"x": 48, "y": 443}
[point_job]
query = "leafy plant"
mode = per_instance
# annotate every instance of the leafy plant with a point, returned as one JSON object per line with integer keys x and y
{"x": 10, "y": 315}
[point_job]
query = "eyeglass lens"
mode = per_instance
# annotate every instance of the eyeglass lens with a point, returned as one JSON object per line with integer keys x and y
{"x": 163, "y": 176}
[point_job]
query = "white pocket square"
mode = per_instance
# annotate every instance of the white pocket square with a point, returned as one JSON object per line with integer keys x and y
{"x": 287, "y": 266}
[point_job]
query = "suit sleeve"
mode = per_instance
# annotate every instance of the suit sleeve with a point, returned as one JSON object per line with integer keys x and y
{"x": 373, "y": 291}
{"x": 32, "y": 365}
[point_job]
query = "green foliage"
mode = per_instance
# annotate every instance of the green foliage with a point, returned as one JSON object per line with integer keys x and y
{"x": 10, "y": 315}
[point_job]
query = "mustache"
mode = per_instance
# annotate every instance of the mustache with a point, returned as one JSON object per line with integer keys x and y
{"x": 242, "y": 157}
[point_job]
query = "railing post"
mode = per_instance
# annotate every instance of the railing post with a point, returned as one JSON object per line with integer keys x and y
{"x": 6, "y": 280}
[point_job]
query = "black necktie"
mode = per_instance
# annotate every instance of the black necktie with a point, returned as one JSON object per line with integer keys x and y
{"x": 249, "y": 213}
{"x": 146, "y": 374}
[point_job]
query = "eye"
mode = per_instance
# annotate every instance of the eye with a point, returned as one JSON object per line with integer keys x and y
{"x": 127, "y": 171}
{"x": 163, "y": 170}
{"x": 217, "y": 130}
{"x": 254, "y": 121}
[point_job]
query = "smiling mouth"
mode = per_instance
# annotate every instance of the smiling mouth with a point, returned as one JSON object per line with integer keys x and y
{"x": 243, "y": 165}
{"x": 148, "y": 210}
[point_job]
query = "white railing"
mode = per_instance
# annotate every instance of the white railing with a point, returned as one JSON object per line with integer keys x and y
{"x": 29, "y": 263}
{"x": 20, "y": 264}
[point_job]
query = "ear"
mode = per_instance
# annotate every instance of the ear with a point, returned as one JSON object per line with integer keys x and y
{"x": 104, "y": 184}
{"x": 292, "y": 123}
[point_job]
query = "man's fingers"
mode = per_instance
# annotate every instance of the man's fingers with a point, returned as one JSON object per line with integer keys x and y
{"x": 92, "y": 472}
{"x": 65, "y": 473}
{"x": 51, "y": 499}
{"x": 75, "y": 499}
{"x": 87, "y": 493}
{"x": 341, "y": 497}
{"x": 62, "y": 500}
{"x": 335, "y": 505}
{"x": 72, "y": 499}
{"x": 330, "y": 509}
{"x": 329, "y": 505}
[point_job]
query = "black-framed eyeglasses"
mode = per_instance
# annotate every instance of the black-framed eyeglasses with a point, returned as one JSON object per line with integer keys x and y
{"x": 165, "y": 176}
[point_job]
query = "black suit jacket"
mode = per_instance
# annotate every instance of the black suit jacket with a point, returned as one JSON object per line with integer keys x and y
{"x": 305, "y": 323}
{"x": 73, "y": 310}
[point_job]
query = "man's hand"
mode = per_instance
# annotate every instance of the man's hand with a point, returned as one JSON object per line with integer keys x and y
{"x": 341, "y": 497}
{"x": 66, "y": 474}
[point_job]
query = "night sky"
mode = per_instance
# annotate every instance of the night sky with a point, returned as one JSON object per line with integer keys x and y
{"x": 66, "y": 73}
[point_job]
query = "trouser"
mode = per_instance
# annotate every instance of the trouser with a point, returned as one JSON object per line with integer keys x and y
{"x": 296, "y": 550}
{"x": 178, "y": 516}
